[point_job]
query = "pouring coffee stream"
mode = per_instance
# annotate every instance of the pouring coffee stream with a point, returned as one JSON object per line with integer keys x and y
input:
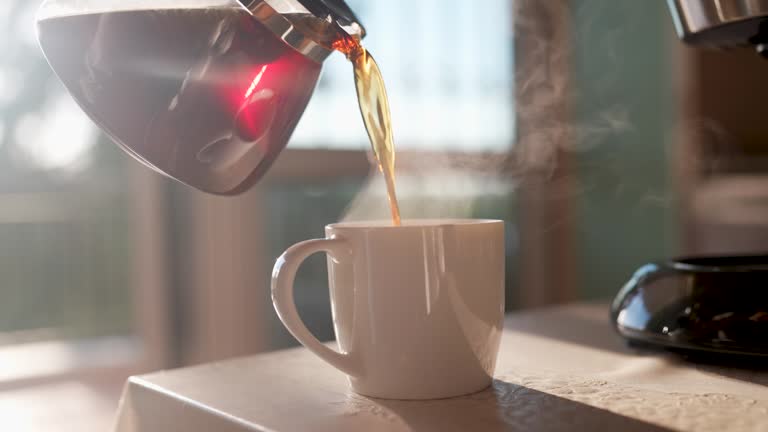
{"x": 374, "y": 107}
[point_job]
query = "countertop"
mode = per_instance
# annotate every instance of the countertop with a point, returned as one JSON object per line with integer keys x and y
{"x": 559, "y": 369}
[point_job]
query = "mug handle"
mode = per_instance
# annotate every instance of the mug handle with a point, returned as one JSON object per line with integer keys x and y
{"x": 283, "y": 276}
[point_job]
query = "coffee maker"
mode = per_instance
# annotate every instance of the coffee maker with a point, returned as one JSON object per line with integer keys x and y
{"x": 706, "y": 307}
{"x": 722, "y": 23}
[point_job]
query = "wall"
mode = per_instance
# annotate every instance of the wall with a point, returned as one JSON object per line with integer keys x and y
{"x": 623, "y": 102}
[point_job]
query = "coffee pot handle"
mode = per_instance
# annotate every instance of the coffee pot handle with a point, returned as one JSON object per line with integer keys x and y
{"x": 283, "y": 277}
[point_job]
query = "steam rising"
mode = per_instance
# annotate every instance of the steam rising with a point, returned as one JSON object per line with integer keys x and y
{"x": 449, "y": 185}
{"x": 434, "y": 185}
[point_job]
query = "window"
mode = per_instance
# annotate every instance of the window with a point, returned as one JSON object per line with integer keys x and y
{"x": 77, "y": 293}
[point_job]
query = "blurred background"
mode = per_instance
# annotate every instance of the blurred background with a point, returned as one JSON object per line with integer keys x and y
{"x": 610, "y": 143}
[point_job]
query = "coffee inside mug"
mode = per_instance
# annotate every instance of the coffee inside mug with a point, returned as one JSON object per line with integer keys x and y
{"x": 708, "y": 303}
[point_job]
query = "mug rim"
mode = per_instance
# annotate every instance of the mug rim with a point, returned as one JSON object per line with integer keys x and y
{"x": 412, "y": 223}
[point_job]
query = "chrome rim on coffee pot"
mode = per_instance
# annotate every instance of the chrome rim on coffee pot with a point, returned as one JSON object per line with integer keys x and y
{"x": 207, "y": 92}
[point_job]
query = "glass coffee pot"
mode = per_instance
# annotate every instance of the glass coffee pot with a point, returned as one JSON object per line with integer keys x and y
{"x": 207, "y": 92}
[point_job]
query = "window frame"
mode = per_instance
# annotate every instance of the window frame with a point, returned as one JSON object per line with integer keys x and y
{"x": 147, "y": 349}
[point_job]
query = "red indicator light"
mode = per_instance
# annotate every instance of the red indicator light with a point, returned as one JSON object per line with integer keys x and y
{"x": 255, "y": 82}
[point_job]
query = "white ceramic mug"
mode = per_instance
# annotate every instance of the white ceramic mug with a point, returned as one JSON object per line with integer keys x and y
{"x": 418, "y": 309}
